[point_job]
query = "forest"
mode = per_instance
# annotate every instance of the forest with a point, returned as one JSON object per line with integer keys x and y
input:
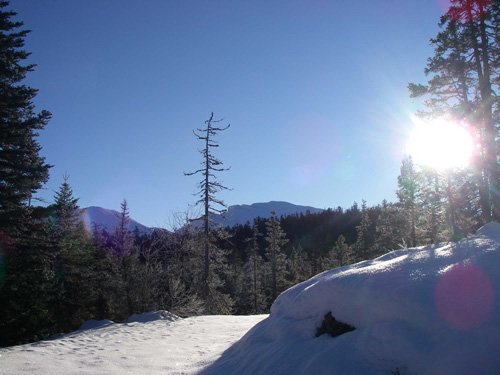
{"x": 55, "y": 274}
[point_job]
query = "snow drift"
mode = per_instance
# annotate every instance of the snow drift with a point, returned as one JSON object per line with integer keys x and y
{"x": 427, "y": 310}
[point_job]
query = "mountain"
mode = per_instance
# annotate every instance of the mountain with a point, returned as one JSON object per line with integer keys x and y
{"x": 237, "y": 214}
{"x": 244, "y": 213}
{"x": 108, "y": 219}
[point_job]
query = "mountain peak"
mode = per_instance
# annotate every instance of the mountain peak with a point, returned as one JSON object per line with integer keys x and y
{"x": 107, "y": 219}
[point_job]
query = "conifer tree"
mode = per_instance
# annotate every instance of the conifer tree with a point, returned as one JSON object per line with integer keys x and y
{"x": 209, "y": 186}
{"x": 123, "y": 240}
{"x": 390, "y": 230}
{"x": 342, "y": 253}
{"x": 464, "y": 77}
{"x": 433, "y": 205}
{"x": 74, "y": 297}
{"x": 22, "y": 170}
{"x": 276, "y": 239}
{"x": 254, "y": 278}
{"x": 67, "y": 212}
{"x": 28, "y": 297}
{"x": 408, "y": 190}
{"x": 364, "y": 240}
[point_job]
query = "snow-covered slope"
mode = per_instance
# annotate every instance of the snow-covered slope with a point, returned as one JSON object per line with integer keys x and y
{"x": 107, "y": 219}
{"x": 244, "y": 213}
{"x": 154, "y": 343}
{"x": 429, "y": 310}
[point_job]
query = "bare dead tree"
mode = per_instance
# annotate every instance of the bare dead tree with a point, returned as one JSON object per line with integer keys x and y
{"x": 209, "y": 185}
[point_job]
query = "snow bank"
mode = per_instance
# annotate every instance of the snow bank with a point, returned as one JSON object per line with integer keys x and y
{"x": 95, "y": 324}
{"x": 428, "y": 310}
{"x": 159, "y": 347}
{"x": 152, "y": 316}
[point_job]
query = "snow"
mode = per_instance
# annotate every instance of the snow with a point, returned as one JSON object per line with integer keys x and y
{"x": 145, "y": 345}
{"x": 152, "y": 316}
{"x": 427, "y": 310}
{"x": 244, "y": 213}
{"x": 108, "y": 220}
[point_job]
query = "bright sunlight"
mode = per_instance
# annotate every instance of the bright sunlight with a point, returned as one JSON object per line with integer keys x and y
{"x": 440, "y": 143}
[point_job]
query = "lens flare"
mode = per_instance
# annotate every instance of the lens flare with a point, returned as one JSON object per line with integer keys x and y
{"x": 464, "y": 297}
{"x": 440, "y": 143}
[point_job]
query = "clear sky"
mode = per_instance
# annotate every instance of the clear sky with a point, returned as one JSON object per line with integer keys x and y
{"x": 315, "y": 92}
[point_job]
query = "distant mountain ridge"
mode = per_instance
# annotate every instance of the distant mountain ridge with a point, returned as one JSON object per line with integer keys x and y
{"x": 241, "y": 214}
{"x": 236, "y": 215}
{"x": 244, "y": 213}
{"x": 108, "y": 219}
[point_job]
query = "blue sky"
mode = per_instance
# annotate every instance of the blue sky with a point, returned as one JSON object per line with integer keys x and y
{"x": 315, "y": 92}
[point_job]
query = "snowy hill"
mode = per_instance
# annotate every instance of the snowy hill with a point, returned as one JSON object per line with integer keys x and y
{"x": 244, "y": 213}
{"x": 429, "y": 310}
{"x": 107, "y": 219}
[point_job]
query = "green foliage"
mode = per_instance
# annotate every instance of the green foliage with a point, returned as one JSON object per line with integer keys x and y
{"x": 27, "y": 295}
{"x": 22, "y": 169}
{"x": 464, "y": 82}
{"x": 341, "y": 254}
{"x": 276, "y": 239}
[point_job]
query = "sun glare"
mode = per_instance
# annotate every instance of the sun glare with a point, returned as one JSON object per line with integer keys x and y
{"x": 440, "y": 143}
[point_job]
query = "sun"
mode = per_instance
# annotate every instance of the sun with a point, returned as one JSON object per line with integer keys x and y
{"x": 440, "y": 143}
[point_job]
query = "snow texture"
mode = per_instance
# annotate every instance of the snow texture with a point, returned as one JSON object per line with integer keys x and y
{"x": 427, "y": 310}
{"x": 167, "y": 345}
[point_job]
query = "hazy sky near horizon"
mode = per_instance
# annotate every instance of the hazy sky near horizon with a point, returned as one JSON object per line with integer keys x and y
{"x": 315, "y": 92}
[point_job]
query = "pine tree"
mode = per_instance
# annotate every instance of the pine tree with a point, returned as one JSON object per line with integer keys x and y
{"x": 342, "y": 253}
{"x": 253, "y": 291}
{"x": 407, "y": 193}
{"x": 123, "y": 240}
{"x": 67, "y": 212}
{"x": 364, "y": 240}
{"x": 464, "y": 78}
{"x": 389, "y": 232}
{"x": 433, "y": 204}
{"x": 276, "y": 239}
{"x": 209, "y": 186}
{"x": 74, "y": 298}
{"x": 28, "y": 292}
{"x": 22, "y": 170}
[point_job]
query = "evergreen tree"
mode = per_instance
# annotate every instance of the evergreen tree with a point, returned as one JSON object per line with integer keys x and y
{"x": 464, "y": 79}
{"x": 389, "y": 232}
{"x": 253, "y": 291}
{"x": 27, "y": 296}
{"x": 123, "y": 240}
{"x": 342, "y": 253}
{"x": 276, "y": 239}
{"x": 74, "y": 298}
{"x": 433, "y": 205}
{"x": 364, "y": 240}
{"x": 297, "y": 266}
{"x": 67, "y": 212}
{"x": 22, "y": 169}
{"x": 407, "y": 193}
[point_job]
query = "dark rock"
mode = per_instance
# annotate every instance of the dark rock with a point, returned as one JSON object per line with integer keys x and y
{"x": 333, "y": 327}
